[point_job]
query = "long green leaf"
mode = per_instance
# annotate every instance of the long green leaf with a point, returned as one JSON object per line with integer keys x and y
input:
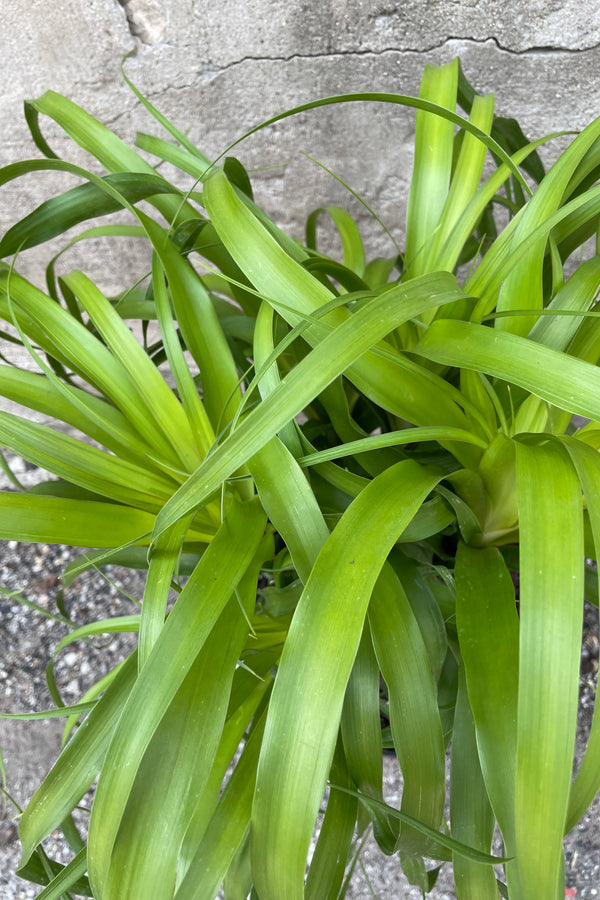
{"x": 449, "y": 843}
{"x": 471, "y": 814}
{"x": 67, "y": 878}
{"x": 163, "y": 560}
{"x": 560, "y": 379}
{"x": 551, "y": 590}
{"x": 175, "y": 767}
{"x": 486, "y": 615}
{"x": 414, "y": 714}
{"x": 185, "y": 631}
{"x": 348, "y": 342}
{"x": 577, "y": 294}
{"x": 188, "y": 392}
{"x": 419, "y": 103}
{"x": 153, "y": 391}
{"x": 95, "y": 138}
{"x": 333, "y": 846}
{"x": 200, "y": 327}
{"x": 84, "y": 465}
{"x": 307, "y": 699}
{"x": 361, "y": 728}
{"x": 434, "y": 138}
{"x": 465, "y": 179}
{"x": 472, "y": 213}
{"x": 295, "y": 294}
{"x": 86, "y": 201}
{"x": 79, "y": 523}
{"x": 77, "y": 766}
{"x": 103, "y": 422}
{"x": 290, "y": 504}
{"x": 244, "y": 707}
{"x": 226, "y": 829}
{"x": 392, "y": 439}
{"x": 352, "y": 246}
{"x": 72, "y": 343}
{"x": 522, "y": 288}
{"x": 587, "y": 780}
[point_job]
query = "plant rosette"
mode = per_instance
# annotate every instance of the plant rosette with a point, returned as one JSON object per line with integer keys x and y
{"x": 339, "y": 468}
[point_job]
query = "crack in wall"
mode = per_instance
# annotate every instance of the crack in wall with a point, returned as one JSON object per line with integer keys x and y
{"x": 216, "y": 70}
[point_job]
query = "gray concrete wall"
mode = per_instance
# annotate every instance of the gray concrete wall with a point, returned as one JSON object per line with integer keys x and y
{"x": 218, "y": 68}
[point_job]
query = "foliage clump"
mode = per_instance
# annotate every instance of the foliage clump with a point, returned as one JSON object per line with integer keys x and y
{"x": 378, "y": 445}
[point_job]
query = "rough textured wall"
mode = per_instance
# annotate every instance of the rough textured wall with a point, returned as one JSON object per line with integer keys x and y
{"x": 217, "y": 69}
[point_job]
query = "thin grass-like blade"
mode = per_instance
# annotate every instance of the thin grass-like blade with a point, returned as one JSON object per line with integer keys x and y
{"x": 448, "y": 844}
{"x": 392, "y": 439}
{"x": 78, "y": 709}
{"x": 178, "y": 135}
{"x": 419, "y": 103}
{"x": 67, "y": 878}
{"x": 115, "y": 625}
{"x": 39, "y": 869}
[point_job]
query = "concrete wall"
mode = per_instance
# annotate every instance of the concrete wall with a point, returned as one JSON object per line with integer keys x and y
{"x": 218, "y": 68}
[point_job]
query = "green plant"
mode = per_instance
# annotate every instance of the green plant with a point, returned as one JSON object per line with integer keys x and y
{"x": 450, "y": 408}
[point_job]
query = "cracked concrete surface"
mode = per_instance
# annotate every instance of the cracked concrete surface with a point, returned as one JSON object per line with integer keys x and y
{"x": 353, "y": 25}
{"x": 218, "y": 73}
